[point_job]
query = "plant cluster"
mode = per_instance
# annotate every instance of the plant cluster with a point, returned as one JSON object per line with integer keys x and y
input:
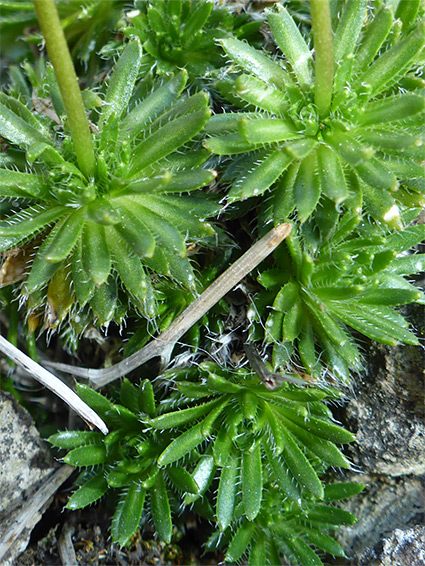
{"x": 122, "y": 202}
{"x": 219, "y": 443}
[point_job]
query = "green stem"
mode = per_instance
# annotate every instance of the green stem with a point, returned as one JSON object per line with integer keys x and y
{"x": 322, "y": 34}
{"x": 60, "y": 57}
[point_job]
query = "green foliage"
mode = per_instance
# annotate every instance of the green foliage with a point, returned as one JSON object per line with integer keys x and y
{"x": 320, "y": 288}
{"x": 286, "y": 530}
{"x": 87, "y": 25}
{"x": 184, "y": 33}
{"x": 323, "y": 130}
{"x": 217, "y": 430}
{"x": 132, "y": 216}
{"x": 359, "y": 152}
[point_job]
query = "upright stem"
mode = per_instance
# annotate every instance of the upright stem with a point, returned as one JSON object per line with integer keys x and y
{"x": 60, "y": 57}
{"x": 324, "y": 61}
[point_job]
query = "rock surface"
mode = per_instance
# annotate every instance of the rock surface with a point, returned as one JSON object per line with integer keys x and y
{"x": 387, "y": 413}
{"x": 401, "y": 548}
{"x": 26, "y": 462}
{"x": 387, "y": 504}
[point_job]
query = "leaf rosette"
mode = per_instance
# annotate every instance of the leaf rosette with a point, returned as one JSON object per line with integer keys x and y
{"x": 320, "y": 290}
{"x": 217, "y": 429}
{"x": 133, "y": 216}
{"x": 364, "y": 150}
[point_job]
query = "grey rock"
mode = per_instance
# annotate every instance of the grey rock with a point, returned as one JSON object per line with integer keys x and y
{"x": 385, "y": 505}
{"x": 400, "y": 548}
{"x": 387, "y": 411}
{"x": 25, "y": 463}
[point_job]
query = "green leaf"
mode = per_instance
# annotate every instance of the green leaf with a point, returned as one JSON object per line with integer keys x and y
{"x": 267, "y": 130}
{"x": 104, "y": 302}
{"x": 392, "y": 297}
{"x": 291, "y": 43}
{"x": 95, "y": 252}
{"x": 307, "y": 187}
{"x": 408, "y": 265}
{"x": 22, "y": 111}
{"x": 222, "y": 446}
{"x": 373, "y": 38}
{"x": 350, "y": 23}
{"x": 258, "y": 554}
{"x": 146, "y": 398}
{"x": 19, "y": 131}
{"x": 299, "y": 466}
{"x": 83, "y": 285}
{"x": 405, "y": 239}
{"x": 334, "y": 516}
{"x": 259, "y": 94}
{"x": 182, "y": 445}
{"x": 256, "y": 63}
{"x": 153, "y": 105}
{"x": 184, "y": 416}
{"x": 339, "y": 491}
{"x": 128, "y": 396}
{"x": 66, "y": 237}
{"x": 240, "y": 542}
{"x": 122, "y": 82}
{"x": 84, "y": 456}
{"x": 160, "y": 509}
{"x": 307, "y": 348}
{"x": 229, "y": 144}
{"x": 407, "y": 12}
{"x": 133, "y": 228}
{"x": 227, "y": 489}
{"x": 282, "y": 475}
{"x": 182, "y": 480}
{"x": 199, "y": 16}
{"x": 41, "y": 270}
{"x": 14, "y": 184}
{"x": 258, "y": 180}
{"x": 323, "y": 541}
{"x": 379, "y": 323}
{"x": 219, "y": 384}
{"x": 292, "y": 322}
{"x": 70, "y": 439}
{"x": 252, "y": 481}
{"x": 302, "y": 552}
{"x": 30, "y": 221}
{"x": 187, "y": 214}
{"x": 128, "y": 266}
{"x": 392, "y": 109}
{"x": 324, "y": 449}
{"x": 332, "y": 176}
{"x": 386, "y": 67}
{"x": 203, "y": 475}
{"x": 319, "y": 427}
{"x": 164, "y": 232}
{"x": 228, "y": 122}
{"x": 127, "y": 516}
{"x": 88, "y": 493}
{"x": 99, "y": 403}
{"x": 44, "y": 152}
{"x": 185, "y": 181}
{"x": 168, "y": 139}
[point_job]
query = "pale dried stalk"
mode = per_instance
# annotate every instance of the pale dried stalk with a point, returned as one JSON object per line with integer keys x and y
{"x": 65, "y": 546}
{"x": 53, "y": 383}
{"x": 164, "y": 344}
